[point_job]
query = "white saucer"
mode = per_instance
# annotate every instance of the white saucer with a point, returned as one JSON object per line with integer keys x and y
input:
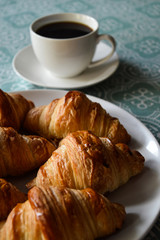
{"x": 26, "y": 66}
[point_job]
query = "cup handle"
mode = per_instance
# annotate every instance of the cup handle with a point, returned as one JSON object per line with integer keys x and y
{"x": 110, "y": 39}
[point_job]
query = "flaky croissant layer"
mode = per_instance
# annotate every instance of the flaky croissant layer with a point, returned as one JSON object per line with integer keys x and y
{"x": 85, "y": 160}
{"x": 13, "y": 109}
{"x": 20, "y": 153}
{"x": 63, "y": 214}
{"x": 9, "y": 197}
{"x": 75, "y": 111}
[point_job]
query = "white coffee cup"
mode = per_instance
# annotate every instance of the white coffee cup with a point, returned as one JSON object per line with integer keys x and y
{"x": 68, "y": 57}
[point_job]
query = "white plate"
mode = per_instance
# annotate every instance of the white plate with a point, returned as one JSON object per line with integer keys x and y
{"x": 26, "y": 66}
{"x": 141, "y": 195}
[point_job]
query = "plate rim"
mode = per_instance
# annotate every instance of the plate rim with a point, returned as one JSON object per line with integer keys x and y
{"x": 89, "y": 95}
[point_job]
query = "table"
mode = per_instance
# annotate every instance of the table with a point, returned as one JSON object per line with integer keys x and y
{"x": 135, "y": 25}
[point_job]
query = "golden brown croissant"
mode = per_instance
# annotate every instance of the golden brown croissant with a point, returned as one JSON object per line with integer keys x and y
{"x": 2, "y": 223}
{"x": 74, "y": 112}
{"x": 84, "y": 160}
{"x": 9, "y": 197}
{"x": 20, "y": 153}
{"x": 13, "y": 108}
{"x": 63, "y": 214}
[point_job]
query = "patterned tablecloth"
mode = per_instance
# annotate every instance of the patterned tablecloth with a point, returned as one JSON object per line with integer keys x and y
{"x": 135, "y": 86}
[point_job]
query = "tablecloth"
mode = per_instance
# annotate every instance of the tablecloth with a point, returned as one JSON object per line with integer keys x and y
{"x": 135, "y": 25}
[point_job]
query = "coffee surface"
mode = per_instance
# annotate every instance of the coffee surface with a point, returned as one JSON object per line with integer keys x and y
{"x": 62, "y": 30}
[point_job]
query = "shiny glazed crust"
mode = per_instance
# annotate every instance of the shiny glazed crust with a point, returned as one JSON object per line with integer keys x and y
{"x": 9, "y": 197}
{"x": 74, "y": 112}
{"x": 20, "y": 153}
{"x": 13, "y": 109}
{"x": 84, "y": 160}
{"x": 57, "y": 213}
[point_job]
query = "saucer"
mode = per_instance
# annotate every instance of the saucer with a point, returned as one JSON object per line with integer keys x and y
{"x": 27, "y": 66}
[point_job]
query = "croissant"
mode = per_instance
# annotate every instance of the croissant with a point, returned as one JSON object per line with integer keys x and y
{"x": 20, "y": 153}
{"x": 63, "y": 214}
{"x": 13, "y": 108}
{"x": 9, "y": 197}
{"x": 84, "y": 160}
{"x": 2, "y": 223}
{"x": 74, "y": 112}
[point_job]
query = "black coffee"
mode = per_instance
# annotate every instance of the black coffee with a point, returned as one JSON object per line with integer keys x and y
{"x": 62, "y": 30}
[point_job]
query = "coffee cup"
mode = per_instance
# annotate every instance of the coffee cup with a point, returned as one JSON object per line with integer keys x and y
{"x": 65, "y": 43}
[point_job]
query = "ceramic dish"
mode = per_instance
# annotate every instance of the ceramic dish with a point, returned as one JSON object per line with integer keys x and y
{"x": 141, "y": 195}
{"x": 27, "y": 66}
